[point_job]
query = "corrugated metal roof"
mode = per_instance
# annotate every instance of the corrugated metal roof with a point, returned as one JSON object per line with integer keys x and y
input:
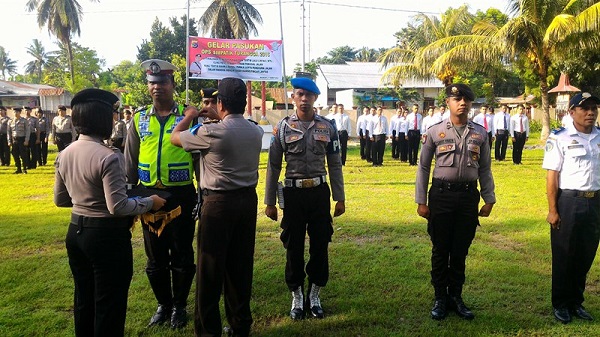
{"x": 364, "y": 75}
{"x": 22, "y": 89}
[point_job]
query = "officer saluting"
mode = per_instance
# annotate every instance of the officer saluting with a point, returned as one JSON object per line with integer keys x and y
{"x": 573, "y": 190}
{"x": 462, "y": 156}
{"x": 306, "y": 139}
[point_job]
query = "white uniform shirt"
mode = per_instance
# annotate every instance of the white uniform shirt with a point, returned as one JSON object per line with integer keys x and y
{"x": 501, "y": 122}
{"x": 576, "y": 157}
{"x": 428, "y": 121}
{"x": 394, "y": 125}
{"x": 515, "y": 124}
{"x": 567, "y": 120}
{"x": 378, "y": 125}
{"x": 361, "y": 124}
{"x": 410, "y": 121}
{"x": 402, "y": 126}
{"x": 479, "y": 119}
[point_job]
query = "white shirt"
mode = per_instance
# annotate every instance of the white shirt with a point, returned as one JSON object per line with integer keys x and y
{"x": 394, "y": 125}
{"x": 577, "y": 158}
{"x": 361, "y": 124}
{"x": 501, "y": 122}
{"x": 479, "y": 119}
{"x": 402, "y": 126}
{"x": 410, "y": 121}
{"x": 428, "y": 121}
{"x": 378, "y": 125}
{"x": 515, "y": 124}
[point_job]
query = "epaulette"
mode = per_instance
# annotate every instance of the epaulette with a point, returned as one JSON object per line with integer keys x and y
{"x": 438, "y": 122}
{"x": 557, "y": 131}
{"x": 252, "y": 121}
{"x": 141, "y": 108}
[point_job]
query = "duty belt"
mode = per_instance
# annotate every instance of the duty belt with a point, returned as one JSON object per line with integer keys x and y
{"x": 462, "y": 186}
{"x": 304, "y": 183}
{"x": 580, "y": 194}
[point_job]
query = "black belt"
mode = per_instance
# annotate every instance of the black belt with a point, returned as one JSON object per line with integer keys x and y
{"x": 580, "y": 194}
{"x": 342, "y": 131}
{"x": 463, "y": 186}
{"x": 207, "y": 192}
{"x": 93, "y": 222}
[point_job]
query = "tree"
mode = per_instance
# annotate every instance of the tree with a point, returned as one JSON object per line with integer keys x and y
{"x": 40, "y": 59}
{"x": 166, "y": 41}
{"x": 87, "y": 68}
{"x": 63, "y": 19}
{"x": 540, "y": 34}
{"x": 230, "y": 19}
{"x": 338, "y": 55}
{"x": 6, "y": 64}
{"x": 366, "y": 54}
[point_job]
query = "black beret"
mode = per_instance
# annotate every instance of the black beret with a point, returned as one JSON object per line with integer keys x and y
{"x": 17, "y": 108}
{"x": 95, "y": 95}
{"x": 232, "y": 88}
{"x": 209, "y": 93}
{"x": 460, "y": 90}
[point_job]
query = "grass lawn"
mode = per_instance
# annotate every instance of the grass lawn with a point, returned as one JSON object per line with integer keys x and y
{"x": 379, "y": 262}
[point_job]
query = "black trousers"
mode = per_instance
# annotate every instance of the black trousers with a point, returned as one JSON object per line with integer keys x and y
{"x": 500, "y": 147}
{"x": 307, "y": 210}
{"x": 101, "y": 261}
{"x": 518, "y": 145}
{"x": 363, "y": 143}
{"x": 42, "y": 149}
{"x": 368, "y": 145}
{"x": 574, "y": 246}
{"x": 377, "y": 149}
{"x": 32, "y": 150}
{"x": 19, "y": 152}
{"x": 343, "y": 135}
{"x": 4, "y": 150}
{"x": 395, "y": 147}
{"x": 414, "y": 139}
{"x": 451, "y": 227}
{"x": 490, "y": 139}
{"x": 62, "y": 140}
{"x": 403, "y": 146}
{"x": 172, "y": 254}
{"x": 119, "y": 144}
{"x": 226, "y": 261}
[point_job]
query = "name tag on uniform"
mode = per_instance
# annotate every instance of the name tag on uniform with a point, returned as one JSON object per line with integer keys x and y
{"x": 445, "y": 148}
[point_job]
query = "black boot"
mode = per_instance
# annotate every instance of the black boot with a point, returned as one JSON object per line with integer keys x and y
{"x": 439, "y": 310}
{"x": 297, "y": 312}
{"x": 182, "y": 282}
{"x": 179, "y": 317}
{"x": 461, "y": 309}
{"x": 160, "y": 282}
{"x": 161, "y": 316}
{"x": 313, "y": 302}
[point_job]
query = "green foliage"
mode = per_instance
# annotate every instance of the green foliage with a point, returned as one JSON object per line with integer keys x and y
{"x": 535, "y": 126}
{"x": 338, "y": 55}
{"x": 86, "y": 64}
{"x": 230, "y": 19}
{"x": 166, "y": 41}
{"x": 7, "y": 65}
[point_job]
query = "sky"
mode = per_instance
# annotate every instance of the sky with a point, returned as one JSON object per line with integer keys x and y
{"x": 115, "y": 28}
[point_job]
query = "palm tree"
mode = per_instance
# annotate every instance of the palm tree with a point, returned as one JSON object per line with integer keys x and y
{"x": 230, "y": 19}
{"x": 6, "y": 64}
{"x": 40, "y": 59}
{"x": 539, "y": 34}
{"x": 62, "y": 18}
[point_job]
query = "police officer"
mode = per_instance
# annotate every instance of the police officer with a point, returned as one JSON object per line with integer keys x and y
{"x": 90, "y": 178}
{"x": 63, "y": 132}
{"x": 34, "y": 138}
{"x": 573, "y": 190}
{"x": 462, "y": 156}
{"x": 4, "y": 148}
{"x": 230, "y": 154}
{"x": 153, "y": 161}
{"x": 306, "y": 140}
{"x": 44, "y": 131}
{"x": 18, "y": 138}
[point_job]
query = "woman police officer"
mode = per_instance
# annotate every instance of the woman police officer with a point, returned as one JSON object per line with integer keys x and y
{"x": 90, "y": 178}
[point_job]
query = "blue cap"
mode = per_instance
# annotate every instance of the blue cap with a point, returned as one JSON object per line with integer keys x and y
{"x": 581, "y": 97}
{"x": 306, "y": 84}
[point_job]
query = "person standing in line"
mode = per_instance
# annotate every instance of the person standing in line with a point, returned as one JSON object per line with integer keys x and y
{"x": 444, "y": 114}
{"x": 402, "y": 132}
{"x": 127, "y": 118}
{"x": 462, "y": 158}
{"x": 519, "y": 131}
{"x": 487, "y": 121}
{"x": 414, "y": 121}
{"x": 119, "y": 132}
{"x": 4, "y": 148}
{"x": 228, "y": 218}
{"x": 428, "y": 120}
{"x": 63, "y": 132}
{"x": 155, "y": 163}
{"x": 90, "y": 179}
{"x": 342, "y": 122}
{"x": 361, "y": 131}
{"x": 501, "y": 124}
{"x": 307, "y": 141}
{"x": 34, "y": 138}
{"x": 18, "y": 138}
{"x": 573, "y": 190}
{"x": 393, "y": 132}
{"x": 378, "y": 126}
{"x": 44, "y": 128}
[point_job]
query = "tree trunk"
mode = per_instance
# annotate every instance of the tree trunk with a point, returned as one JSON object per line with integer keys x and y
{"x": 545, "y": 108}
{"x": 70, "y": 55}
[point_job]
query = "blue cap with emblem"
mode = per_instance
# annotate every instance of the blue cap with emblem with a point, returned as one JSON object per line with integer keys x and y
{"x": 580, "y": 98}
{"x": 306, "y": 84}
{"x": 158, "y": 70}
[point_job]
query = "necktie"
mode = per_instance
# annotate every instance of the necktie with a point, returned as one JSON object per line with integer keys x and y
{"x": 485, "y": 122}
{"x": 504, "y": 120}
{"x": 521, "y": 120}
{"x": 415, "y": 121}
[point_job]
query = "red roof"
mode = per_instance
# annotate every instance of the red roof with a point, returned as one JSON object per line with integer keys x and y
{"x": 564, "y": 85}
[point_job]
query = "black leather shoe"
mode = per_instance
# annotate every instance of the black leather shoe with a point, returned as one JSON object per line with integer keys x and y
{"x": 579, "y": 311}
{"x": 562, "y": 315}
{"x": 178, "y": 318}
{"x": 439, "y": 312}
{"x": 162, "y": 315}
{"x": 461, "y": 309}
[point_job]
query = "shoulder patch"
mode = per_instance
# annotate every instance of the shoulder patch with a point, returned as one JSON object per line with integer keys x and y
{"x": 559, "y": 130}
{"x": 194, "y": 129}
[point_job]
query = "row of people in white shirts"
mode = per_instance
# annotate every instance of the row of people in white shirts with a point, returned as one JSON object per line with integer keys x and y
{"x": 342, "y": 120}
{"x": 372, "y": 121}
{"x": 502, "y": 120}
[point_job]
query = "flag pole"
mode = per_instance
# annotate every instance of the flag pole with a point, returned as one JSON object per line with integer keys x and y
{"x": 283, "y": 58}
{"x": 187, "y": 54}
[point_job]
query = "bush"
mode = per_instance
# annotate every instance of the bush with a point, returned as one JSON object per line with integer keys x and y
{"x": 536, "y": 126}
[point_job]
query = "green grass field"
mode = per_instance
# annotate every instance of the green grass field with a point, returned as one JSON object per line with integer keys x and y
{"x": 379, "y": 258}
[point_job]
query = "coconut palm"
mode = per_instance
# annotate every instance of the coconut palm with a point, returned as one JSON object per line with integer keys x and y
{"x": 539, "y": 34}
{"x": 230, "y": 19}
{"x": 40, "y": 59}
{"x": 62, "y": 18}
{"x": 6, "y": 64}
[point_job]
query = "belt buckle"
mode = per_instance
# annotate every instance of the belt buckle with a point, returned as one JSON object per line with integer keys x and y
{"x": 588, "y": 194}
{"x": 159, "y": 184}
{"x": 308, "y": 183}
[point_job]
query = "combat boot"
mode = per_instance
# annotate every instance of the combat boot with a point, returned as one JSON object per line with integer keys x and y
{"x": 161, "y": 316}
{"x": 314, "y": 302}
{"x": 297, "y": 312}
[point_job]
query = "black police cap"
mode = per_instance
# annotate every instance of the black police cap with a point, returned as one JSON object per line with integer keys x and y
{"x": 209, "y": 93}
{"x": 96, "y": 95}
{"x": 232, "y": 88}
{"x": 460, "y": 90}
